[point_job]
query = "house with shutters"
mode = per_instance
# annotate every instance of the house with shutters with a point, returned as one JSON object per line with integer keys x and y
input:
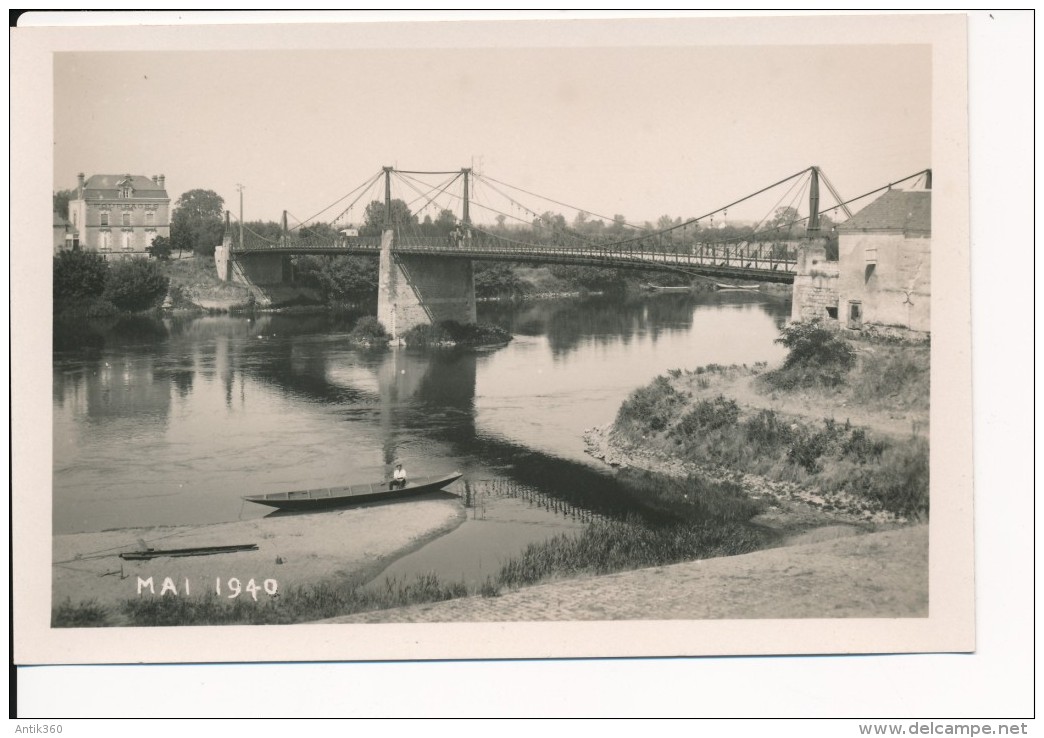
{"x": 118, "y": 214}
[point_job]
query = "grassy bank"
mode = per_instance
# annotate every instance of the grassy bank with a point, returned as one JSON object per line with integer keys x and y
{"x": 811, "y": 444}
{"x": 695, "y": 520}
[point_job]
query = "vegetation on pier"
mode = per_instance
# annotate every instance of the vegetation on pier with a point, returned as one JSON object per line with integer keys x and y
{"x": 452, "y": 333}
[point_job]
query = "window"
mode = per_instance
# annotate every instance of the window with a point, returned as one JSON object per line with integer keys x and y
{"x": 128, "y": 240}
{"x": 105, "y": 219}
{"x": 106, "y": 241}
{"x": 832, "y": 313}
{"x": 869, "y": 272}
{"x": 74, "y": 217}
{"x": 126, "y": 219}
{"x": 149, "y": 217}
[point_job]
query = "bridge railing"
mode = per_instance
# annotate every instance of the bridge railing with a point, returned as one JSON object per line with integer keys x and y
{"x": 755, "y": 255}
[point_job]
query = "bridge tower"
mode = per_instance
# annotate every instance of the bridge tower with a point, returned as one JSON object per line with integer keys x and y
{"x": 417, "y": 289}
{"x": 815, "y": 284}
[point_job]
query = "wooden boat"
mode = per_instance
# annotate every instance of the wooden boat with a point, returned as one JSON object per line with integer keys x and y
{"x": 326, "y": 497}
{"x": 152, "y": 553}
{"x": 669, "y": 288}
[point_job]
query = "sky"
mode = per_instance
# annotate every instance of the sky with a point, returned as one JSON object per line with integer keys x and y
{"x": 641, "y": 131}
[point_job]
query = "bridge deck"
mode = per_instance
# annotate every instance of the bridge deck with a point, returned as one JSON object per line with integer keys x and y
{"x": 756, "y": 261}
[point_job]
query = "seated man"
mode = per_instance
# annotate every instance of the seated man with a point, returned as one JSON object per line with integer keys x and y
{"x": 398, "y": 478}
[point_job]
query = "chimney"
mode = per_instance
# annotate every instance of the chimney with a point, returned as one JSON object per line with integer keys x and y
{"x": 79, "y": 184}
{"x": 155, "y": 179}
{"x": 160, "y": 181}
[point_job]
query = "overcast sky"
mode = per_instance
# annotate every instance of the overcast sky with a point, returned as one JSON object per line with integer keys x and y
{"x": 641, "y": 131}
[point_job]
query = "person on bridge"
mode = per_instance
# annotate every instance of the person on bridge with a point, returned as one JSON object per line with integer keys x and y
{"x": 398, "y": 477}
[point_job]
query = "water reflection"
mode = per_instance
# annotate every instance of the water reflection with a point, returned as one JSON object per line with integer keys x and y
{"x": 165, "y": 422}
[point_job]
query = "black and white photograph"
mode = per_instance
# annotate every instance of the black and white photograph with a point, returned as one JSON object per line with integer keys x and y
{"x": 582, "y": 338}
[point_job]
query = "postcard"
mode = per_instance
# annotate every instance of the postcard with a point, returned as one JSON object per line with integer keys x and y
{"x": 603, "y": 337}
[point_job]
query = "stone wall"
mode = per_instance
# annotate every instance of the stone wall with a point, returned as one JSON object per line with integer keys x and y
{"x": 418, "y": 290}
{"x": 889, "y": 275}
{"x": 815, "y": 285}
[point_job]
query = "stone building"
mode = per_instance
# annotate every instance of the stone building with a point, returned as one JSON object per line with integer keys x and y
{"x": 884, "y": 252}
{"x": 883, "y": 273}
{"x": 119, "y": 214}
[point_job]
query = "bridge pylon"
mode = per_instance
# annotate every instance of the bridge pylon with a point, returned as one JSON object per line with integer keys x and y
{"x": 420, "y": 289}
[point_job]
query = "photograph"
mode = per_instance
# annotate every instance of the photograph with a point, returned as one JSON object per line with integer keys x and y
{"x": 606, "y": 337}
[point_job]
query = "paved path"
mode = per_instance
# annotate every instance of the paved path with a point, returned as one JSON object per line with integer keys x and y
{"x": 874, "y": 575}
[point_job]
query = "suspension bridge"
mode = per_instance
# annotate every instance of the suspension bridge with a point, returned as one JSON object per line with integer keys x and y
{"x": 426, "y": 272}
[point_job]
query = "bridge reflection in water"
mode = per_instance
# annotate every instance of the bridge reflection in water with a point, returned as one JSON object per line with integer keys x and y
{"x": 168, "y": 422}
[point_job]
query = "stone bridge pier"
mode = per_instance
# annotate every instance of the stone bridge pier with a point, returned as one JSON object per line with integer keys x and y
{"x": 422, "y": 290}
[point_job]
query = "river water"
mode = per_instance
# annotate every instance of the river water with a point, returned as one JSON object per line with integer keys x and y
{"x": 169, "y": 422}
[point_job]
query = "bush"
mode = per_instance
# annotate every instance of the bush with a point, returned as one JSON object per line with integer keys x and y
{"x": 450, "y": 332}
{"x": 812, "y": 344}
{"x": 87, "y": 614}
{"x": 369, "y": 330}
{"x": 650, "y": 408}
{"x": 498, "y": 280}
{"x": 136, "y": 284}
{"x": 707, "y": 415}
{"x": 817, "y": 356}
{"x": 160, "y": 248}
{"x": 79, "y": 275}
{"x": 767, "y": 431}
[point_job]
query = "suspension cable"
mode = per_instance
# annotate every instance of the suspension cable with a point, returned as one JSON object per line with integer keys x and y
{"x": 345, "y": 197}
{"x": 407, "y": 180}
{"x": 487, "y": 179}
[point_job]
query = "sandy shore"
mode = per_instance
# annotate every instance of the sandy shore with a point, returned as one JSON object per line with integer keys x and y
{"x": 349, "y": 545}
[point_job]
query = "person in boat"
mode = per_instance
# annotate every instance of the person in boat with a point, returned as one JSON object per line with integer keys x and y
{"x": 398, "y": 480}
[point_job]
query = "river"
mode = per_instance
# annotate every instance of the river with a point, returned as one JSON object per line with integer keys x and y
{"x": 168, "y": 422}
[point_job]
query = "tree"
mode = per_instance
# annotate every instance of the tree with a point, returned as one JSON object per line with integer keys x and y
{"x": 160, "y": 248}
{"x": 339, "y": 277}
{"x": 373, "y": 219}
{"x": 445, "y": 222}
{"x": 783, "y": 218}
{"x": 60, "y": 201}
{"x": 197, "y": 223}
{"x": 136, "y": 284}
{"x": 79, "y": 274}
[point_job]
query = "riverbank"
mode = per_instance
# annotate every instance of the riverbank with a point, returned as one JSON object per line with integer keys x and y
{"x": 850, "y": 453}
{"x": 341, "y": 548}
{"x": 877, "y": 575}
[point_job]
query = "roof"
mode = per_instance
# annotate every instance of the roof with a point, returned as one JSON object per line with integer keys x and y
{"x": 100, "y": 186}
{"x": 909, "y": 211}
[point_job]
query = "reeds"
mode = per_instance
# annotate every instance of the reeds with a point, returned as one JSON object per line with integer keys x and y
{"x": 295, "y": 605}
{"x": 609, "y": 546}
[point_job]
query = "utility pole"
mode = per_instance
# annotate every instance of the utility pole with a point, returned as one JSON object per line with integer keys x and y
{"x": 240, "y": 188}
